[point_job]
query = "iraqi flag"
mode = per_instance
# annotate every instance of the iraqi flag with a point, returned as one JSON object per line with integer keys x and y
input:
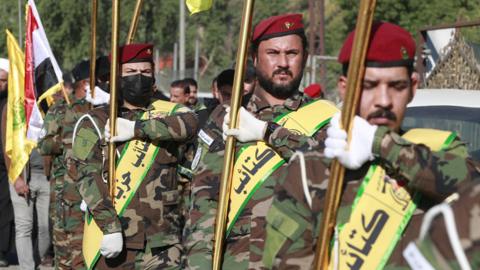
{"x": 43, "y": 76}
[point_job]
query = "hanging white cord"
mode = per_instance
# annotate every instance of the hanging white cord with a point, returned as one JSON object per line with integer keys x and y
{"x": 78, "y": 123}
{"x": 94, "y": 125}
{"x": 303, "y": 175}
{"x": 445, "y": 210}
{"x": 335, "y": 249}
{"x": 89, "y": 117}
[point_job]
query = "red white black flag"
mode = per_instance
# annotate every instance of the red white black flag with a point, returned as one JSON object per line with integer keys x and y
{"x": 43, "y": 76}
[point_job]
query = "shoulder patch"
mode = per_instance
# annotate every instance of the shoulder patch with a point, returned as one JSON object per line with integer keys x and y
{"x": 205, "y": 137}
{"x": 84, "y": 142}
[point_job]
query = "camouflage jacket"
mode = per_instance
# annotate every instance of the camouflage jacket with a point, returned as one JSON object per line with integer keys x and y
{"x": 245, "y": 239}
{"x": 153, "y": 215}
{"x": 79, "y": 107}
{"x": 51, "y": 142}
{"x": 198, "y": 106}
{"x": 435, "y": 174}
{"x": 436, "y": 246}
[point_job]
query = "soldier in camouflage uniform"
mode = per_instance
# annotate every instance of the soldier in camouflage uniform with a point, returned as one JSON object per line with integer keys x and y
{"x": 67, "y": 215}
{"x": 148, "y": 233}
{"x": 279, "y": 46}
{"x": 294, "y": 218}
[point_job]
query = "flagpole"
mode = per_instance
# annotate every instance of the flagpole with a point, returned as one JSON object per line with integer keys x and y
{"x": 93, "y": 47}
{"x": 134, "y": 23}
{"x": 113, "y": 97}
{"x": 237, "y": 93}
{"x": 355, "y": 75}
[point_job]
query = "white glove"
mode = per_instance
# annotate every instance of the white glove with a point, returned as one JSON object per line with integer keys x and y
{"x": 83, "y": 206}
{"x": 112, "y": 245}
{"x": 249, "y": 128}
{"x": 125, "y": 130}
{"x": 101, "y": 97}
{"x": 359, "y": 151}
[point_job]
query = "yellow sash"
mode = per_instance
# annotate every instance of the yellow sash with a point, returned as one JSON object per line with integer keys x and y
{"x": 132, "y": 167}
{"x": 255, "y": 163}
{"x": 381, "y": 212}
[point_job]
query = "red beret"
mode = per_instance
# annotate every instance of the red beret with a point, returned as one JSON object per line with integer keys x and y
{"x": 313, "y": 90}
{"x": 139, "y": 52}
{"x": 390, "y": 46}
{"x": 277, "y": 26}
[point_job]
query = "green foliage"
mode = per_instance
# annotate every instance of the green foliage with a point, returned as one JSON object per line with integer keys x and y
{"x": 415, "y": 14}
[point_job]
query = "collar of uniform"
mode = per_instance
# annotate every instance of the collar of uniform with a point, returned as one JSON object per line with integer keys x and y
{"x": 78, "y": 100}
{"x": 132, "y": 114}
{"x": 257, "y": 104}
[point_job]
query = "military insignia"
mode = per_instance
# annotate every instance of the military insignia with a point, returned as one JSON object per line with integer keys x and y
{"x": 205, "y": 137}
{"x": 84, "y": 143}
{"x": 404, "y": 53}
{"x": 289, "y": 25}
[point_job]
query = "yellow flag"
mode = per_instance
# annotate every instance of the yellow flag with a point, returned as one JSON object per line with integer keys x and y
{"x": 17, "y": 147}
{"x": 196, "y": 6}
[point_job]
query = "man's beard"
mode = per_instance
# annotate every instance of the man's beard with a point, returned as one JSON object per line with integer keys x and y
{"x": 281, "y": 91}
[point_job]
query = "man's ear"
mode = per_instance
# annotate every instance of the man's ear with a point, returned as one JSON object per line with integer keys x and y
{"x": 342, "y": 86}
{"x": 414, "y": 84}
{"x": 254, "y": 59}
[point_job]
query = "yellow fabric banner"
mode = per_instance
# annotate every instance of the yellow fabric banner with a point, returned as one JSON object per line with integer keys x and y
{"x": 381, "y": 212}
{"x": 132, "y": 167}
{"x": 17, "y": 146}
{"x": 255, "y": 163}
{"x": 196, "y": 6}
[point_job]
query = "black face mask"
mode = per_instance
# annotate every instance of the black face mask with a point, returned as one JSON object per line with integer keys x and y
{"x": 137, "y": 89}
{"x": 105, "y": 86}
{"x": 3, "y": 94}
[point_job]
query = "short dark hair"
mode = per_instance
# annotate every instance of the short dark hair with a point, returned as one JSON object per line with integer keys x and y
{"x": 181, "y": 84}
{"x": 191, "y": 81}
{"x": 254, "y": 46}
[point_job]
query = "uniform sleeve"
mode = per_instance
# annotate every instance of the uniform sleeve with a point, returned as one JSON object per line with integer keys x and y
{"x": 179, "y": 127}
{"x": 290, "y": 239}
{"x": 87, "y": 170}
{"x": 51, "y": 143}
{"x": 199, "y": 228}
{"x": 286, "y": 142}
{"x": 434, "y": 173}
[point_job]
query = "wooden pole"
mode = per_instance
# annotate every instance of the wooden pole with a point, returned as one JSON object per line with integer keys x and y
{"x": 93, "y": 46}
{"x": 113, "y": 97}
{"x": 228, "y": 162}
{"x": 134, "y": 23}
{"x": 355, "y": 75}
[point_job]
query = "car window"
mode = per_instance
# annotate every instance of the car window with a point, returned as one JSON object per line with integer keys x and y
{"x": 463, "y": 120}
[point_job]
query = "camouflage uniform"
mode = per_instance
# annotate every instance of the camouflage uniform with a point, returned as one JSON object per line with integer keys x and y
{"x": 436, "y": 246}
{"x": 198, "y": 106}
{"x": 152, "y": 222}
{"x": 435, "y": 174}
{"x": 245, "y": 240}
{"x": 68, "y": 218}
